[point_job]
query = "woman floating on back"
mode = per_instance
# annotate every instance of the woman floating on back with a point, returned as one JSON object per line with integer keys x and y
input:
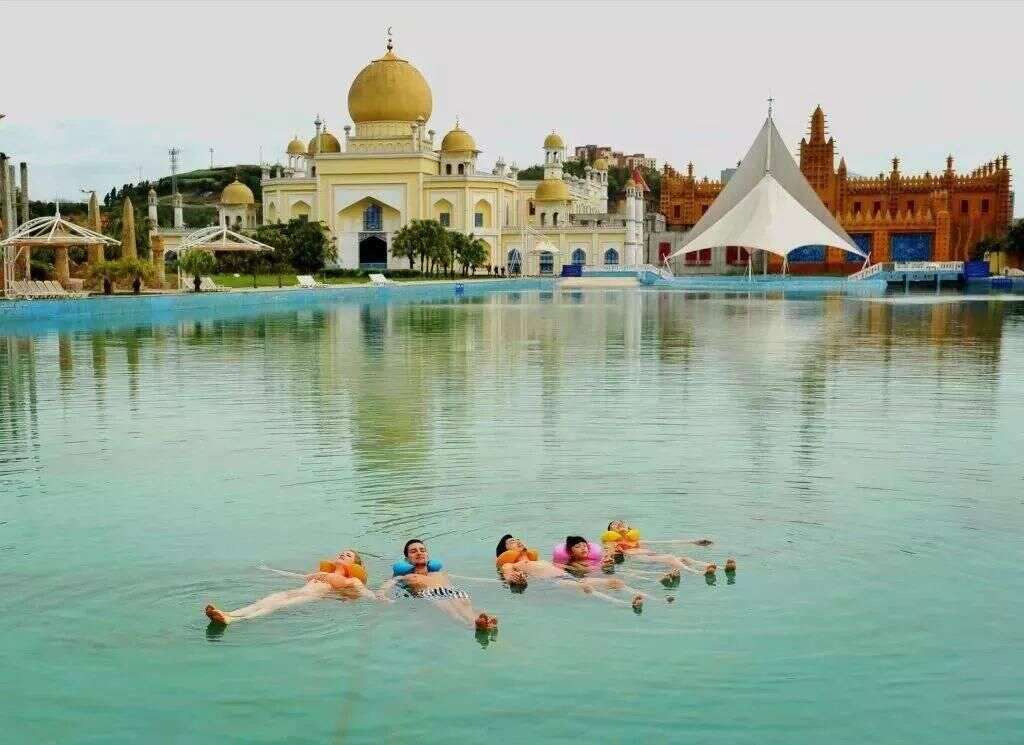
{"x": 343, "y": 577}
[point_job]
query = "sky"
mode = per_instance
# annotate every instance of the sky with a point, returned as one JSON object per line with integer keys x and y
{"x": 101, "y": 90}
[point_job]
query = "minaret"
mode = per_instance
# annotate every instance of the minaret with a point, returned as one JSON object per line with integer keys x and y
{"x": 634, "y": 223}
{"x": 554, "y": 154}
{"x": 179, "y": 212}
{"x": 151, "y": 208}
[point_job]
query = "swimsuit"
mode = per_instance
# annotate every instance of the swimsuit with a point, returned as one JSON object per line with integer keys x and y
{"x": 433, "y": 593}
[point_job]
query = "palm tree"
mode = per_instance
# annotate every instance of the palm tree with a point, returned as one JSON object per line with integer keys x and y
{"x": 403, "y": 245}
{"x": 197, "y": 263}
{"x": 106, "y": 273}
{"x": 136, "y": 270}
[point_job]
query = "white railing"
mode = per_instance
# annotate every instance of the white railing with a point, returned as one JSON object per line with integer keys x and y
{"x": 866, "y": 272}
{"x": 630, "y": 269}
{"x": 927, "y": 266}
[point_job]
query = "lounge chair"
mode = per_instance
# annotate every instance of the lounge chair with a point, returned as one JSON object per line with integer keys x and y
{"x": 206, "y": 284}
{"x": 379, "y": 280}
{"x": 307, "y": 281}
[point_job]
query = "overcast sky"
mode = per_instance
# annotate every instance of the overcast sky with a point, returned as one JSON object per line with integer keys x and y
{"x": 95, "y": 91}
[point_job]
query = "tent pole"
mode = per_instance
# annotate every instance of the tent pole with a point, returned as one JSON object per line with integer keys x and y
{"x": 750, "y": 266}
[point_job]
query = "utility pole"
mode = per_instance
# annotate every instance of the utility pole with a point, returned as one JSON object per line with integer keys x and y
{"x": 211, "y": 158}
{"x": 174, "y": 153}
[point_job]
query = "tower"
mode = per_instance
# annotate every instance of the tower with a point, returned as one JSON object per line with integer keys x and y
{"x": 634, "y": 223}
{"x": 554, "y": 155}
{"x": 817, "y": 160}
{"x": 151, "y": 207}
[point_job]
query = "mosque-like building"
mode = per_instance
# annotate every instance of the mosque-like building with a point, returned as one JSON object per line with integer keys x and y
{"x": 387, "y": 170}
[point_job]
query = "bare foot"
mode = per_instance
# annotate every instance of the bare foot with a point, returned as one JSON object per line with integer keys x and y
{"x": 482, "y": 622}
{"x": 492, "y": 623}
{"x": 216, "y": 615}
{"x": 710, "y": 569}
{"x": 638, "y": 603}
{"x": 671, "y": 579}
{"x": 730, "y": 565}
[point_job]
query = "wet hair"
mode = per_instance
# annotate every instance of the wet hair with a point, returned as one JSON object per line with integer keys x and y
{"x": 359, "y": 559}
{"x": 405, "y": 550}
{"x": 572, "y": 540}
{"x": 501, "y": 544}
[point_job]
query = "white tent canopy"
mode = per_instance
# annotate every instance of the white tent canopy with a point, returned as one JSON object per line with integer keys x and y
{"x": 767, "y": 205}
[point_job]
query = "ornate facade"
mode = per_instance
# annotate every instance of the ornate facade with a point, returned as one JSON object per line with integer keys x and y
{"x": 387, "y": 169}
{"x": 935, "y": 216}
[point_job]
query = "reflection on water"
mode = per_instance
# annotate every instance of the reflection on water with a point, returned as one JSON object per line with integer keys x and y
{"x": 860, "y": 457}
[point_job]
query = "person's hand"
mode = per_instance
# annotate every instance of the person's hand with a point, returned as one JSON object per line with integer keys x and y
{"x": 318, "y": 577}
{"x": 414, "y": 581}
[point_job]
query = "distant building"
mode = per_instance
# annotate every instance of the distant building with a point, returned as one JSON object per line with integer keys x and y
{"x": 590, "y": 153}
{"x": 895, "y": 217}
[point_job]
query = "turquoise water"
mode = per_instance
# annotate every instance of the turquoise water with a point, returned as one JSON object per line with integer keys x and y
{"x": 860, "y": 457}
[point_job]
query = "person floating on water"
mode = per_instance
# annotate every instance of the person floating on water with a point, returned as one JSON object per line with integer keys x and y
{"x": 422, "y": 577}
{"x": 344, "y": 577}
{"x": 516, "y": 563}
{"x": 621, "y": 539}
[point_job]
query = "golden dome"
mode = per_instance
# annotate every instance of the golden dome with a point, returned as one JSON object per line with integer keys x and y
{"x": 389, "y": 89}
{"x": 600, "y": 164}
{"x": 295, "y": 147}
{"x": 554, "y": 142}
{"x": 552, "y": 190}
{"x": 237, "y": 193}
{"x": 329, "y": 143}
{"x": 458, "y": 141}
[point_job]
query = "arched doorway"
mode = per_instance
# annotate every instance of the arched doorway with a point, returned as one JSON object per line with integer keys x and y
{"x": 547, "y": 262}
{"x": 373, "y": 252}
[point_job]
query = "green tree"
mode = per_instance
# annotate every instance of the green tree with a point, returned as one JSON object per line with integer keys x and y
{"x": 197, "y": 263}
{"x": 403, "y": 245}
{"x": 311, "y": 245}
{"x": 468, "y": 250}
{"x": 135, "y": 271}
{"x": 104, "y": 273}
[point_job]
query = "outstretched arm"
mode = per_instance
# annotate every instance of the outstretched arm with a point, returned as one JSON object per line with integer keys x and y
{"x": 667, "y": 541}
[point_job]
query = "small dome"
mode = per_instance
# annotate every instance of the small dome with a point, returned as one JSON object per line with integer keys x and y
{"x": 389, "y": 89}
{"x": 458, "y": 141}
{"x": 296, "y": 147}
{"x": 552, "y": 190}
{"x": 329, "y": 144}
{"x": 554, "y": 142}
{"x": 237, "y": 193}
{"x": 600, "y": 164}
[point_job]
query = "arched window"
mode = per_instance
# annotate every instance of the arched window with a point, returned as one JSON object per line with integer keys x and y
{"x": 547, "y": 262}
{"x": 515, "y": 261}
{"x": 579, "y": 257}
{"x": 462, "y": 169}
{"x": 448, "y": 169}
{"x": 611, "y": 256}
{"x": 371, "y": 217}
{"x": 543, "y": 218}
{"x": 554, "y": 219}
{"x": 533, "y": 208}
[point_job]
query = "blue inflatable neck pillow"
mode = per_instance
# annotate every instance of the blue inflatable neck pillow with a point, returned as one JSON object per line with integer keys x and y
{"x": 403, "y": 567}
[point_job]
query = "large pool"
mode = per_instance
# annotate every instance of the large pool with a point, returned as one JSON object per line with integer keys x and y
{"x": 861, "y": 458}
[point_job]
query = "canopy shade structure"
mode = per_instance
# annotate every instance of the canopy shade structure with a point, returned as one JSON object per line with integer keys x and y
{"x": 219, "y": 238}
{"x": 54, "y": 230}
{"x": 768, "y": 205}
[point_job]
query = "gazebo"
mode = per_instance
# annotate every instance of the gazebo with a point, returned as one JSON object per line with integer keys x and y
{"x": 51, "y": 231}
{"x": 768, "y": 205}
{"x": 213, "y": 239}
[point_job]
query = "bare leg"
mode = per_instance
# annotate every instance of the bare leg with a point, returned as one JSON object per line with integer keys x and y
{"x": 612, "y": 583}
{"x": 462, "y": 611}
{"x": 271, "y": 603}
{"x": 588, "y": 590}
